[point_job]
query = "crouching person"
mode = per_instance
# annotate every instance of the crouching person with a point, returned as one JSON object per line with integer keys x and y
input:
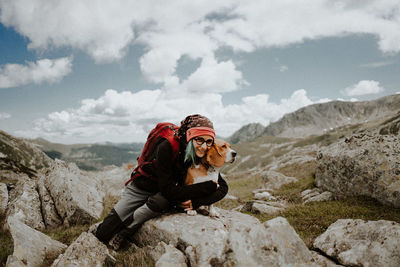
{"x": 157, "y": 182}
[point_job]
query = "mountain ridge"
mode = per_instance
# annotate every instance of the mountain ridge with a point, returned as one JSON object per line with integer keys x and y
{"x": 320, "y": 118}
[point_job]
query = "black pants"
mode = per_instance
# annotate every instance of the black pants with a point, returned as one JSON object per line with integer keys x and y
{"x": 135, "y": 207}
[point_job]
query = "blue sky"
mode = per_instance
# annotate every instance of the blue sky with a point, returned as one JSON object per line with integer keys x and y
{"x": 92, "y": 71}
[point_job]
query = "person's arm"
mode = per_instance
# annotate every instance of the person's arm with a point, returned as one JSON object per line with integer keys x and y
{"x": 167, "y": 182}
{"x": 213, "y": 197}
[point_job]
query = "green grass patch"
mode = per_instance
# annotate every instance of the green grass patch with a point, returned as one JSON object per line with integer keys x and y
{"x": 6, "y": 244}
{"x": 66, "y": 234}
{"x": 133, "y": 257}
{"x": 243, "y": 186}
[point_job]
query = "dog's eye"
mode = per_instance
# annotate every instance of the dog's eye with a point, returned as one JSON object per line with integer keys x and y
{"x": 223, "y": 146}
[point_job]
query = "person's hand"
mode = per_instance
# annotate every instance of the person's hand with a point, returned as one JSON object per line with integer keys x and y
{"x": 187, "y": 205}
{"x": 215, "y": 181}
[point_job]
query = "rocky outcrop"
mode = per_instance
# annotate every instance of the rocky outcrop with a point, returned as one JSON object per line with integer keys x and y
{"x": 234, "y": 239}
{"x": 112, "y": 180}
{"x": 77, "y": 197}
{"x": 48, "y": 208}
{"x": 86, "y": 250}
{"x": 167, "y": 256}
{"x": 274, "y": 180}
{"x": 391, "y": 126}
{"x": 263, "y": 207}
{"x": 362, "y": 243}
{"x": 246, "y": 133}
{"x": 366, "y": 164}
{"x": 31, "y": 247}
{"x": 316, "y": 195}
{"x": 320, "y": 118}
{"x": 18, "y": 157}
{"x": 25, "y": 204}
{"x": 3, "y": 199}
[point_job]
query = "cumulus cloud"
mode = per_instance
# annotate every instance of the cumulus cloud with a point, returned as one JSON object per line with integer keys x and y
{"x": 44, "y": 70}
{"x": 365, "y": 87}
{"x": 172, "y": 29}
{"x": 4, "y": 116}
{"x": 126, "y": 116}
{"x": 283, "y": 68}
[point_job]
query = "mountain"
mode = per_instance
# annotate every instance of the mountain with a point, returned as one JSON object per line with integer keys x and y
{"x": 247, "y": 133}
{"x": 91, "y": 156}
{"x": 18, "y": 157}
{"x": 320, "y": 118}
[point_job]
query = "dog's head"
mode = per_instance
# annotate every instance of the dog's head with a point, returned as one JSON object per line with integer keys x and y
{"x": 220, "y": 153}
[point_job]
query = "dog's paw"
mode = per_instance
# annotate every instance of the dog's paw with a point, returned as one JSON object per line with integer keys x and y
{"x": 191, "y": 212}
{"x": 213, "y": 212}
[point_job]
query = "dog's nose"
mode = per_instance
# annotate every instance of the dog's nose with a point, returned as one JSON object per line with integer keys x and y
{"x": 234, "y": 154}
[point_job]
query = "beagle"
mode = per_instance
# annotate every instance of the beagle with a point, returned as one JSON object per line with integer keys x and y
{"x": 208, "y": 169}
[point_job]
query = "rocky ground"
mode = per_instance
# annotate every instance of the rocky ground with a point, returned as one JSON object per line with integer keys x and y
{"x": 322, "y": 201}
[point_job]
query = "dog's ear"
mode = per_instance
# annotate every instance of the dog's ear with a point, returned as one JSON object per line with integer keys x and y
{"x": 217, "y": 149}
{"x": 214, "y": 157}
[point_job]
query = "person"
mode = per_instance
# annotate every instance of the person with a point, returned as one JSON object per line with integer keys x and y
{"x": 147, "y": 197}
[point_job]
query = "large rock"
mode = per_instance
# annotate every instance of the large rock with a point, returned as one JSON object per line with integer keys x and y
{"x": 3, "y": 199}
{"x": 364, "y": 164}
{"x": 112, "y": 180}
{"x": 86, "y": 250}
{"x": 234, "y": 239}
{"x": 25, "y": 204}
{"x": 31, "y": 247}
{"x": 362, "y": 243}
{"x": 49, "y": 212}
{"x": 19, "y": 158}
{"x": 274, "y": 180}
{"x": 78, "y": 198}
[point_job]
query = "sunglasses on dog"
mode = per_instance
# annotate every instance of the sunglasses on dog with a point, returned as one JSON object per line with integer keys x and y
{"x": 200, "y": 141}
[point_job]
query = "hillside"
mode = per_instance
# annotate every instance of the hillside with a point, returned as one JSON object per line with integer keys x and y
{"x": 91, "y": 156}
{"x": 313, "y": 195}
{"x": 321, "y": 118}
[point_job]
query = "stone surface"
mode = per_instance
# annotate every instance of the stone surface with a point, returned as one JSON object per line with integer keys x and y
{"x": 3, "y": 199}
{"x": 24, "y": 204}
{"x": 274, "y": 180}
{"x": 31, "y": 247}
{"x": 233, "y": 239}
{"x": 362, "y": 243}
{"x": 324, "y": 196}
{"x": 265, "y": 208}
{"x": 323, "y": 261}
{"x": 49, "y": 212}
{"x": 86, "y": 250}
{"x": 316, "y": 195}
{"x": 112, "y": 180}
{"x": 366, "y": 164}
{"x": 264, "y": 196}
{"x": 78, "y": 198}
{"x": 171, "y": 257}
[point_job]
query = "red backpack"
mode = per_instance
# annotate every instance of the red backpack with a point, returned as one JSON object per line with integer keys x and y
{"x": 163, "y": 130}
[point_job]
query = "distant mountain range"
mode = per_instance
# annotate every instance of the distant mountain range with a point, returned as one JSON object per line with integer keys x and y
{"x": 318, "y": 119}
{"x": 91, "y": 156}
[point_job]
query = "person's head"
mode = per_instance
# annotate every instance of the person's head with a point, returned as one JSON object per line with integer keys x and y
{"x": 198, "y": 131}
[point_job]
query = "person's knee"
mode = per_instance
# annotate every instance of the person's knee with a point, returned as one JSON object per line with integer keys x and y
{"x": 157, "y": 203}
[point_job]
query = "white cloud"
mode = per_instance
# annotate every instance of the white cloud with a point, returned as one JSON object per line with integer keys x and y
{"x": 215, "y": 77}
{"x": 377, "y": 64}
{"x": 127, "y": 117}
{"x": 283, "y": 68}
{"x": 364, "y": 87}
{"x": 4, "y": 116}
{"x": 172, "y": 29}
{"x": 44, "y": 70}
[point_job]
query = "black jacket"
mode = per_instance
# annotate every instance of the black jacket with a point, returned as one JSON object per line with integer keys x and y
{"x": 167, "y": 177}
